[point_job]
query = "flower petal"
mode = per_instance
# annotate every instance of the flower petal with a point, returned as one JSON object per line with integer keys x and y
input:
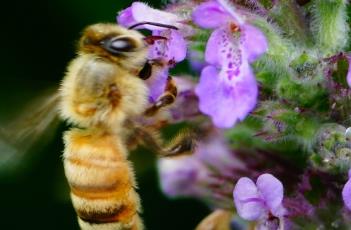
{"x": 346, "y": 194}
{"x": 215, "y": 152}
{"x": 174, "y": 48}
{"x": 213, "y": 45}
{"x": 226, "y": 102}
{"x": 125, "y": 17}
{"x": 196, "y": 60}
{"x": 348, "y": 76}
{"x": 182, "y": 176}
{"x": 157, "y": 83}
{"x": 210, "y": 15}
{"x": 223, "y": 49}
{"x": 272, "y": 192}
{"x": 186, "y": 106}
{"x": 253, "y": 41}
{"x": 143, "y": 13}
{"x": 247, "y": 200}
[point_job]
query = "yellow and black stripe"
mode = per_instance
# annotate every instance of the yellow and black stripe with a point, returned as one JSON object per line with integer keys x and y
{"x": 101, "y": 180}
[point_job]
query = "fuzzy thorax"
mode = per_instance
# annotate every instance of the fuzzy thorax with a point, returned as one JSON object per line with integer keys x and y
{"x": 97, "y": 92}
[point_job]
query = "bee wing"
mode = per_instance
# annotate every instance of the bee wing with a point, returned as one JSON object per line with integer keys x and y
{"x": 28, "y": 129}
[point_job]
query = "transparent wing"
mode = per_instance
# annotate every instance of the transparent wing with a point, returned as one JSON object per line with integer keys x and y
{"x": 35, "y": 124}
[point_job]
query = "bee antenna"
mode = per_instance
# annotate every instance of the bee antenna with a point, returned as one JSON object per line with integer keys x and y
{"x": 153, "y": 24}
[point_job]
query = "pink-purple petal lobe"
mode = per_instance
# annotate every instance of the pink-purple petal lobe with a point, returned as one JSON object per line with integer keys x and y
{"x": 272, "y": 191}
{"x": 253, "y": 41}
{"x": 214, "y": 44}
{"x": 348, "y": 76}
{"x": 226, "y": 102}
{"x": 143, "y": 13}
{"x": 178, "y": 176}
{"x": 177, "y": 47}
{"x": 346, "y": 193}
{"x": 172, "y": 49}
{"x": 210, "y": 15}
{"x": 183, "y": 176}
{"x": 157, "y": 84}
{"x": 125, "y": 17}
{"x": 247, "y": 200}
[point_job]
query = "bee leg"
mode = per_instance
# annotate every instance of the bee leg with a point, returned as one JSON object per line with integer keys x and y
{"x": 167, "y": 98}
{"x": 183, "y": 143}
{"x": 146, "y": 72}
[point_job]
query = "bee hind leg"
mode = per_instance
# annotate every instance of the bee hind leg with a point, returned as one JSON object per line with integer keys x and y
{"x": 183, "y": 143}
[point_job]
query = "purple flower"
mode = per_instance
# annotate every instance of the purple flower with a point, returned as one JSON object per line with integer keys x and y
{"x": 186, "y": 105}
{"x": 348, "y": 76}
{"x": 259, "y": 201}
{"x": 206, "y": 174}
{"x": 346, "y": 192}
{"x": 227, "y": 89}
{"x": 167, "y": 51}
{"x": 182, "y": 176}
{"x": 174, "y": 47}
{"x": 141, "y": 12}
{"x": 214, "y": 151}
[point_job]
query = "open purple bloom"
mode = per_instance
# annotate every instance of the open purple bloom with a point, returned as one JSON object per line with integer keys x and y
{"x": 174, "y": 47}
{"x": 168, "y": 51}
{"x": 227, "y": 89}
{"x": 346, "y": 192}
{"x": 258, "y": 201}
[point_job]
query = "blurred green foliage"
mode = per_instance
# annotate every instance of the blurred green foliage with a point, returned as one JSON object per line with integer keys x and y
{"x": 38, "y": 41}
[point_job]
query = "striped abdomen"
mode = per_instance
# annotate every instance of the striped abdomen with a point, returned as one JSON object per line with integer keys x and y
{"x": 101, "y": 180}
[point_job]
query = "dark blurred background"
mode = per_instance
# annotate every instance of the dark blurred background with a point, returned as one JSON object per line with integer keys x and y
{"x": 38, "y": 40}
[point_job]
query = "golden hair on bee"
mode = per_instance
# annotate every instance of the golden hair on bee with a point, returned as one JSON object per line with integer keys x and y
{"x": 100, "y": 86}
{"x": 109, "y": 41}
{"x": 99, "y": 92}
{"x": 105, "y": 96}
{"x": 104, "y": 93}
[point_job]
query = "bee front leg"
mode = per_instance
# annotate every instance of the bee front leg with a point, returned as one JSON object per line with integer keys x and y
{"x": 168, "y": 97}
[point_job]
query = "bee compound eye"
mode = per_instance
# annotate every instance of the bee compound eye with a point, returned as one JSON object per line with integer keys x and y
{"x": 119, "y": 45}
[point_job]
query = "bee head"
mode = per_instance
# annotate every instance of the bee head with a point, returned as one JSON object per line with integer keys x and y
{"x": 120, "y": 45}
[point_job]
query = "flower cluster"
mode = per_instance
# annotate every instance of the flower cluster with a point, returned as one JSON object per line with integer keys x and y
{"x": 268, "y": 92}
{"x": 195, "y": 174}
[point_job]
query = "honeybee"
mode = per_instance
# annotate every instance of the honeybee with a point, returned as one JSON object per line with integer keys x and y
{"x": 103, "y": 95}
